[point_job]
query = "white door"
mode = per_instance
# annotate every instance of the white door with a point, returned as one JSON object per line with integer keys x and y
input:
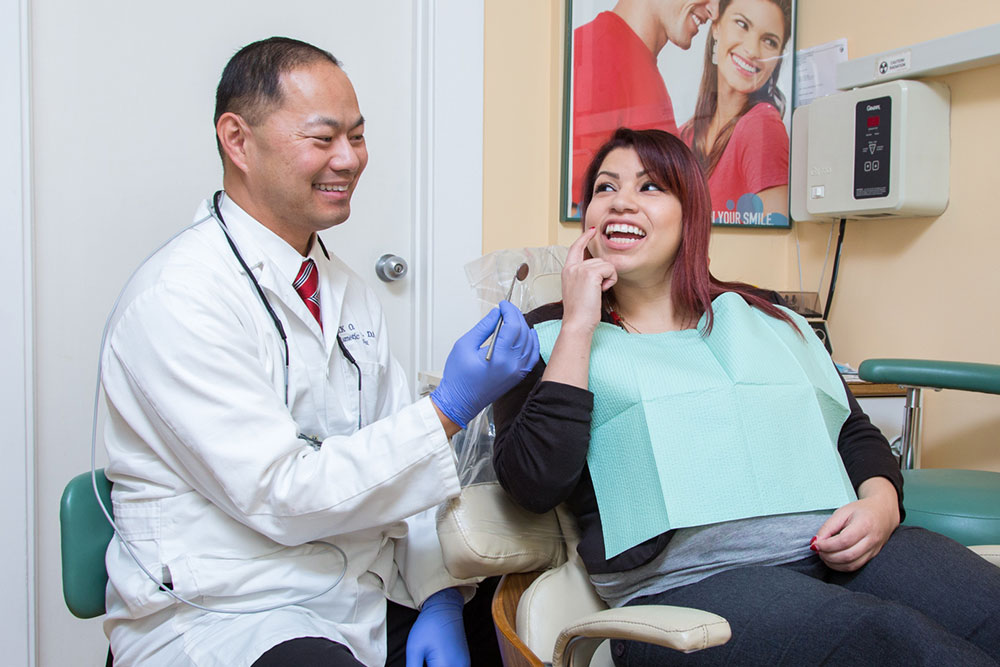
{"x": 420, "y": 90}
{"x": 16, "y": 476}
{"x": 123, "y": 149}
{"x": 383, "y": 221}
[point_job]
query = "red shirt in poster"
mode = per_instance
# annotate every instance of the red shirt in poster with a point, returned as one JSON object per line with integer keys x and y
{"x": 755, "y": 159}
{"x": 615, "y": 83}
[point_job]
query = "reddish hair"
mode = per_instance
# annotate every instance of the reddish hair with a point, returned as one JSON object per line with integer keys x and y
{"x": 673, "y": 167}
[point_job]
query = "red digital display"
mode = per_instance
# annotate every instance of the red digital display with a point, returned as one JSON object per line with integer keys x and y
{"x": 873, "y": 121}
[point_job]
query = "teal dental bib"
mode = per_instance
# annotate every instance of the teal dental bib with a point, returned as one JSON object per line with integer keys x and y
{"x": 690, "y": 430}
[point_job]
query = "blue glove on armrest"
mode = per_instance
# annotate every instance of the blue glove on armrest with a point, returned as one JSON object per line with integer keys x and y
{"x": 437, "y": 638}
{"x": 469, "y": 382}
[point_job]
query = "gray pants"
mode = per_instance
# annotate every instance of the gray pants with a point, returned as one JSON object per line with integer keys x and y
{"x": 923, "y": 600}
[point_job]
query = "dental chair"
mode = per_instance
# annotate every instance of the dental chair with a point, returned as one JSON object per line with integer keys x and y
{"x": 545, "y": 609}
{"x": 962, "y": 504}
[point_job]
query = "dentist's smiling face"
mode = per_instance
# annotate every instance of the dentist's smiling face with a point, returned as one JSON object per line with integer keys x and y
{"x": 683, "y": 18}
{"x": 638, "y": 222}
{"x": 750, "y": 42}
{"x": 305, "y": 157}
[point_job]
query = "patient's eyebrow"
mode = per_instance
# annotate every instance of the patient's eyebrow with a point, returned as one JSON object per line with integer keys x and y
{"x": 638, "y": 174}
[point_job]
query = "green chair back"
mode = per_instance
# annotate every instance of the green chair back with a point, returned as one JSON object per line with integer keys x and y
{"x": 962, "y": 504}
{"x": 84, "y": 537}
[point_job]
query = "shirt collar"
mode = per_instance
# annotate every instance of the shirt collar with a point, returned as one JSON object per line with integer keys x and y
{"x": 286, "y": 259}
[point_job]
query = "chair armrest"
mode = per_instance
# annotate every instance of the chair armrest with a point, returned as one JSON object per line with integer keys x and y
{"x": 679, "y": 628}
{"x": 990, "y": 552}
{"x": 937, "y": 374}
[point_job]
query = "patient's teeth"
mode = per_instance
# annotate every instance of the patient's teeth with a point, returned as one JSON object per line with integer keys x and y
{"x": 622, "y": 228}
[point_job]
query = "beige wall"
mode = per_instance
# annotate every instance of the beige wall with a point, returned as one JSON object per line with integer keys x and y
{"x": 922, "y": 288}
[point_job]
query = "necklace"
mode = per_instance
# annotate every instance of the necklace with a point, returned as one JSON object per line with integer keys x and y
{"x": 621, "y": 321}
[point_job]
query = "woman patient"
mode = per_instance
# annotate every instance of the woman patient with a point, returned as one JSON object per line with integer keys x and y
{"x": 839, "y": 583}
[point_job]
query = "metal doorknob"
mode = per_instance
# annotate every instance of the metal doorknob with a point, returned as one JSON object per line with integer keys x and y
{"x": 390, "y": 267}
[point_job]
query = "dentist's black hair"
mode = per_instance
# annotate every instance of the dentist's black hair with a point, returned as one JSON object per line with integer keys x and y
{"x": 251, "y": 82}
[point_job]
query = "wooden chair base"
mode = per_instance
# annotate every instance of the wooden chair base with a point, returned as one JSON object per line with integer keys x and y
{"x": 514, "y": 652}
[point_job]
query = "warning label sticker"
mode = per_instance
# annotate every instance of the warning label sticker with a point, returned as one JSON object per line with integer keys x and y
{"x": 897, "y": 63}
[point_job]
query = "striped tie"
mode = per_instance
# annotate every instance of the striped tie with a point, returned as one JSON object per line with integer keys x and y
{"x": 307, "y": 285}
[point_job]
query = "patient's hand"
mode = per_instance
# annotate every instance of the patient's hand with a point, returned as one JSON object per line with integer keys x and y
{"x": 856, "y": 532}
{"x": 584, "y": 280}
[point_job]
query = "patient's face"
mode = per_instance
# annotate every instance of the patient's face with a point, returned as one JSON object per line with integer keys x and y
{"x": 639, "y": 223}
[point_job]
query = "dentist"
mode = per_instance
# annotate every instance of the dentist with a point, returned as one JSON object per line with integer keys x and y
{"x": 257, "y": 416}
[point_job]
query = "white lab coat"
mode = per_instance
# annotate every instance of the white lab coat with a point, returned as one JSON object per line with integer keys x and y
{"x": 212, "y": 484}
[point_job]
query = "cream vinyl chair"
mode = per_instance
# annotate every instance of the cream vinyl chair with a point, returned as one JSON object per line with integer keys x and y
{"x": 545, "y": 609}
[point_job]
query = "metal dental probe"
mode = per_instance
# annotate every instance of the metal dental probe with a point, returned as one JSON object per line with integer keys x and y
{"x": 522, "y": 273}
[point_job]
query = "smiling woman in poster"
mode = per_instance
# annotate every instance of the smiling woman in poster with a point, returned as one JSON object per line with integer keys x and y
{"x": 736, "y": 131}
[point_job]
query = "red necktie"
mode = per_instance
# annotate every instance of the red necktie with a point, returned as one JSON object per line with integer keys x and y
{"x": 307, "y": 285}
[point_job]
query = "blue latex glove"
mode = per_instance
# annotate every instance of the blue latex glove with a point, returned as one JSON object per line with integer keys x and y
{"x": 437, "y": 638}
{"x": 469, "y": 382}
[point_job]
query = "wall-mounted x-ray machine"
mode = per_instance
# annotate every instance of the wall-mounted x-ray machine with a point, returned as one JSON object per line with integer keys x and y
{"x": 878, "y": 151}
{"x": 881, "y": 147}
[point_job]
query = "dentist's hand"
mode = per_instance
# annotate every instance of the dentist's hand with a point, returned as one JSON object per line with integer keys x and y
{"x": 437, "y": 638}
{"x": 469, "y": 382}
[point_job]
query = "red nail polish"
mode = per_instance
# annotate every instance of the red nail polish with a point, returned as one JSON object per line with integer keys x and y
{"x": 813, "y": 540}
{"x": 813, "y": 547}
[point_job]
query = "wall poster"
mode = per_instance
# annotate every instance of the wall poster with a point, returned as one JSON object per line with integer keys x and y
{"x": 716, "y": 73}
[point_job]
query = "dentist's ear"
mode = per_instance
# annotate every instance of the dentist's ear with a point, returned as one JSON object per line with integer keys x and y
{"x": 233, "y": 133}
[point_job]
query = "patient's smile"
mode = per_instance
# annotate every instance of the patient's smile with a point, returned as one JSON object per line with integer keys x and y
{"x": 623, "y": 233}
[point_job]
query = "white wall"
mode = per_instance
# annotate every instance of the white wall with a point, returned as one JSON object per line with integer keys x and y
{"x": 123, "y": 96}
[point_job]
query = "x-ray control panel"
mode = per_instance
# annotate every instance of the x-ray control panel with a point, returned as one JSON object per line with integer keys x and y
{"x": 874, "y": 152}
{"x": 872, "y": 137}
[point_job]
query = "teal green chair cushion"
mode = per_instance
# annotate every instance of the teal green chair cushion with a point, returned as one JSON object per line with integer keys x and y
{"x": 84, "y": 537}
{"x": 962, "y": 504}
